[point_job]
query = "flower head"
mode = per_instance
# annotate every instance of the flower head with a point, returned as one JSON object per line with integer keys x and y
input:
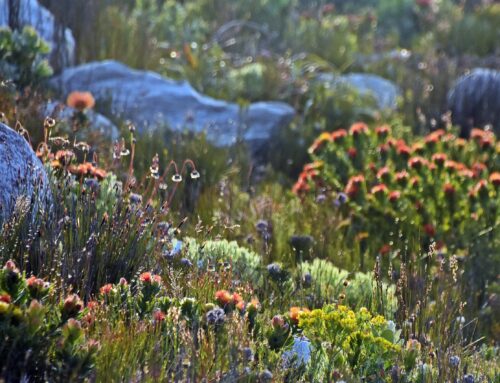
{"x": 80, "y": 100}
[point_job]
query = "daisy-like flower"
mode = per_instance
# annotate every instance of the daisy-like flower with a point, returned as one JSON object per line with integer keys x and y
{"x": 495, "y": 178}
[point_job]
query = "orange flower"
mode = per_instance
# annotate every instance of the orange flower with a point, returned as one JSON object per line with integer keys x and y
{"x": 418, "y": 148}
{"x": 237, "y": 298}
{"x": 223, "y": 297}
{"x": 478, "y": 168}
{"x": 319, "y": 142}
{"x": 495, "y": 178}
{"x": 379, "y": 189}
{"x": 295, "y": 313}
{"x": 106, "y": 289}
{"x": 434, "y": 137}
{"x": 80, "y": 100}
{"x": 240, "y": 306}
{"x": 145, "y": 277}
{"x": 338, "y": 135}
{"x": 358, "y": 128}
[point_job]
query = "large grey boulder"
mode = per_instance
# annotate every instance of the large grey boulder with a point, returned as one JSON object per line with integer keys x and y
{"x": 23, "y": 180}
{"x": 384, "y": 91}
{"x": 152, "y": 101}
{"x": 60, "y": 39}
{"x": 474, "y": 101}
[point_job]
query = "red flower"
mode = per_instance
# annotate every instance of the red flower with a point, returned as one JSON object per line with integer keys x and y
{"x": 385, "y": 249}
{"x": 145, "y": 277}
{"x": 338, "y": 135}
{"x": 403, "y": 150}
{"x": 383, "y": 131}
{"x": 5, "y": 298}
{"x": 383, "y": 173}
{"x": 358, "y": 128}
{"x": 429, "y": 230}
{"x": 394, "y": 195}
{"x": 159, "y": 316}
{"x": 402, "y": 177}
{"x": 237, "y": 298}
{"x": 434, "y": 137}
{"x": 480, "y": 188}
{"x": 378, "y": 189}
{"x": 352, "y": 152}
{"x": 449, "y": 189}
{"x": 106, "y": 289}
{"x": 478, "y": 168}
{"x": 414, "y": 181}
{"x": 417, "y": 162}
{"x": 439, "y": 158}
{"x": 384, "y": 148}
{"x": 353, "y": 185}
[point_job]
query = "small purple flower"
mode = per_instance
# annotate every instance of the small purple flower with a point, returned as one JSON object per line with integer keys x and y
{"x": 468, "y": 378}
{"x": 454, "y": 361}
{"x": 341, "y": 199}
{"x": 186, "y": 262}
{"x": 307, "y": 280}
{"x": 266, "y": 376}
{"x": 216, "y": 317}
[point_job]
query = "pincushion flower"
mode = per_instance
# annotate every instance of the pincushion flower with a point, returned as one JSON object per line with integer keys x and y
{"x": 383, "y": 130}
{"x": 439, "y": 158}
{"x": 352, "y": 152}
{"x": 449, "y": 189}
{"x": 80, "y": 100}
{"x": 379, "y": 189}
{"x": 417, "y": 162}
{"x": 353, "y": 185}
{"x": 383, "y": 173}
{"x": 358, "y": 128}
{"x": 223, "y": 297}
{"x": 495, "y": 178}
{"x": 106, "y": 289}
{"x": 402, "y": 177}
{"x": 295, "y": 313}
{"x": 338, "y": 135}
{"x": 394, "y": 195}
{"x": 319, "y": 142}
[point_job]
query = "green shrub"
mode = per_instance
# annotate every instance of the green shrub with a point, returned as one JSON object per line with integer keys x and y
{"x": 22, "y": 57}
{"x": 330, "y": 283}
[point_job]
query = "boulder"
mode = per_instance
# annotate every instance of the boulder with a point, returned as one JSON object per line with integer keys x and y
{"x": 23, "y": 180}
{"x": 384, "y": 91}
{"x": 152, "y": 101}
{"x": 474, "y": 101}
{"x": 60, "y": 39}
